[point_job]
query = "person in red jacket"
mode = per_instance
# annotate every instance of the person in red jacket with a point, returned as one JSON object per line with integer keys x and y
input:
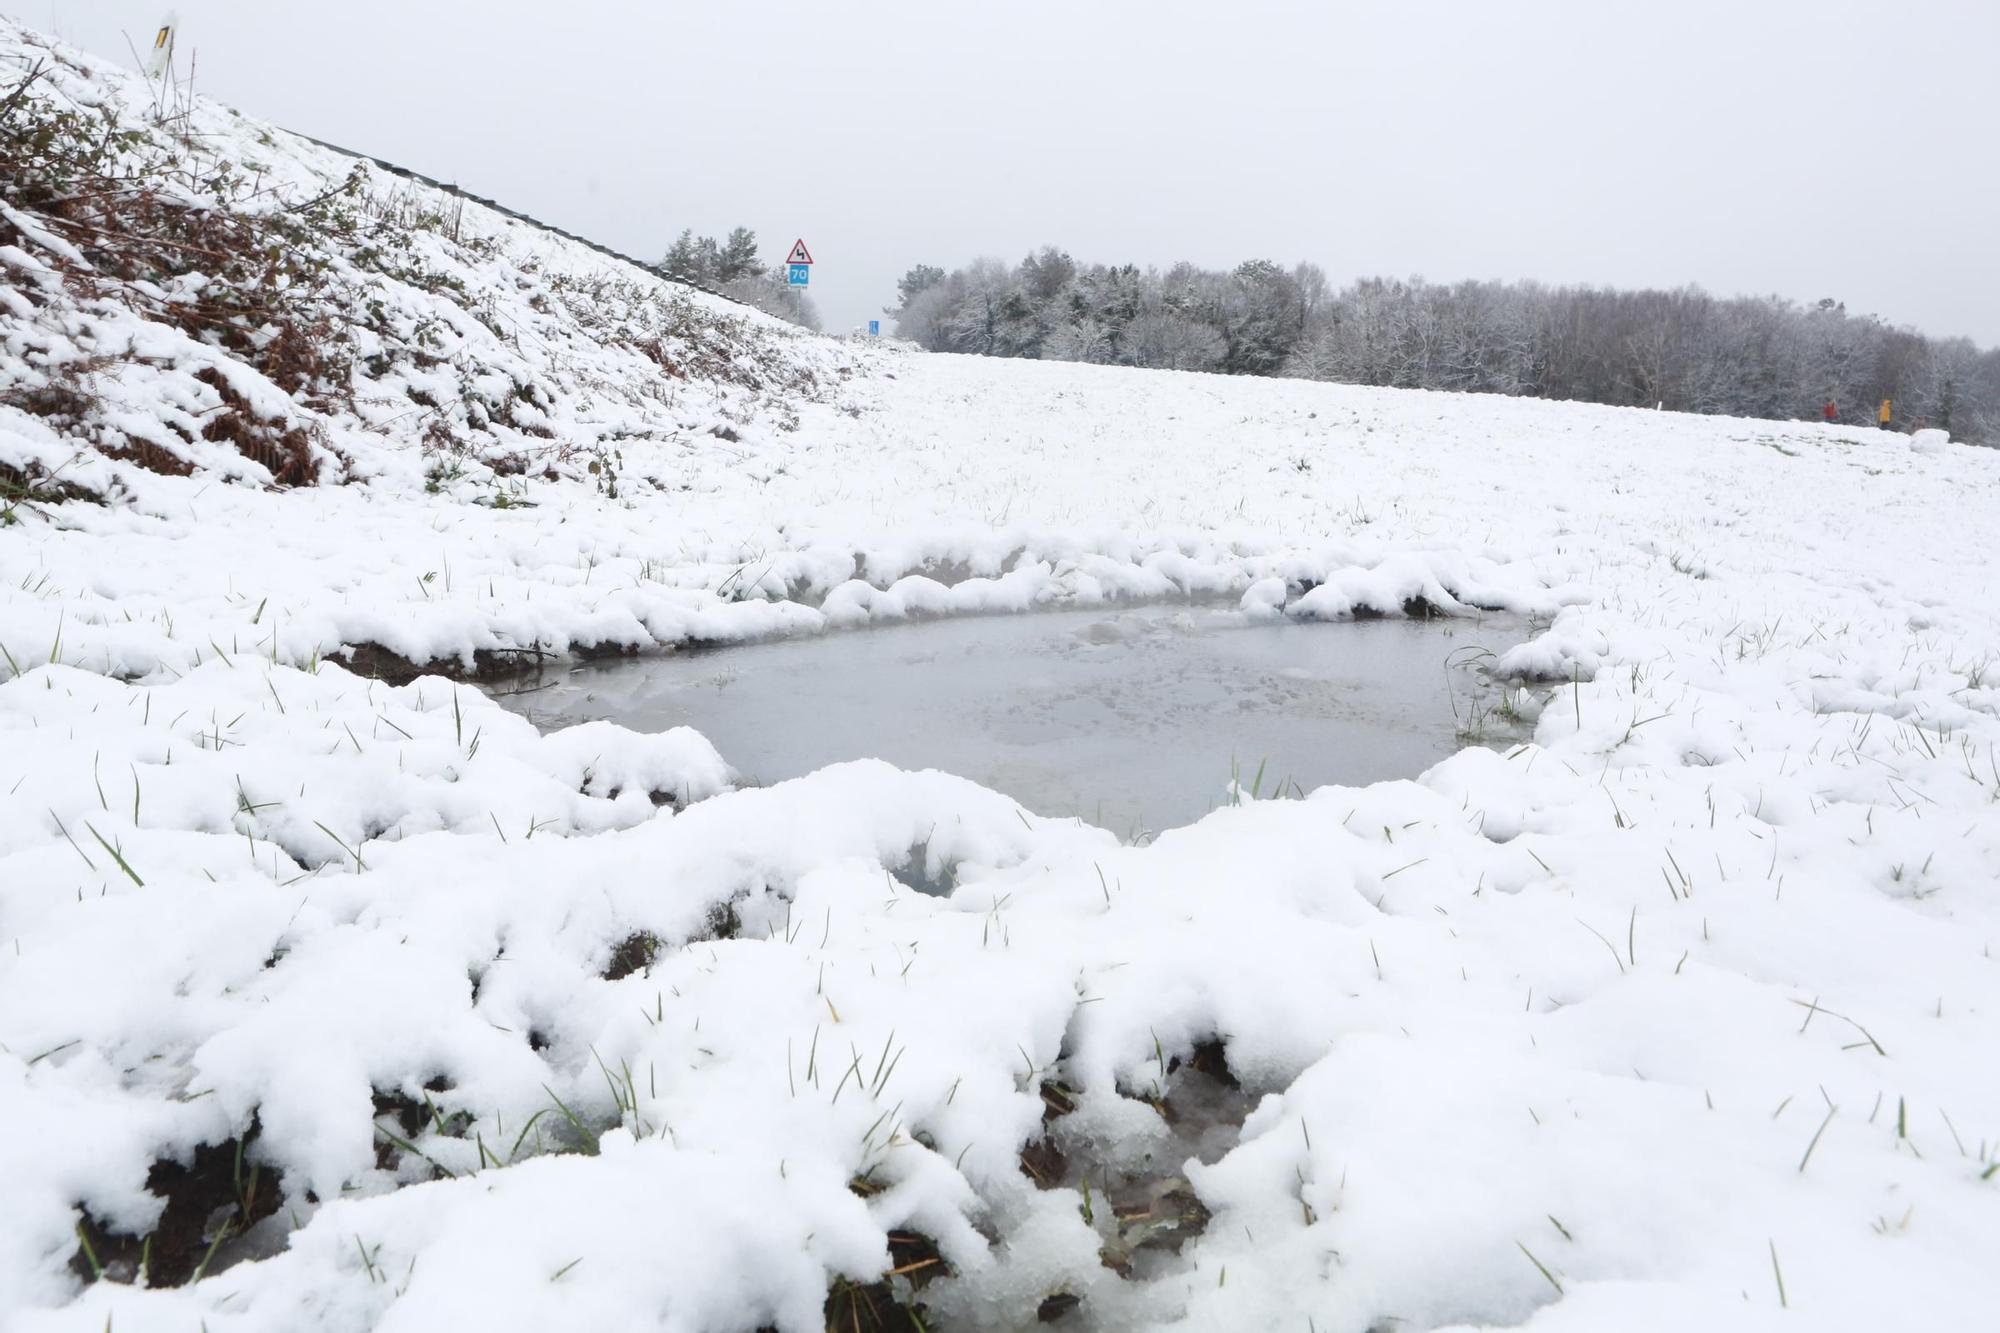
{"x": 1830, "y": 412}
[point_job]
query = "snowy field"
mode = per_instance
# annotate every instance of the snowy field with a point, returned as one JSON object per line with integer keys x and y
{"x": 329, "y": 1003}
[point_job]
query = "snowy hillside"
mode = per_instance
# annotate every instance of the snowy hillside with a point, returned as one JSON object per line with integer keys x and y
{"x": 192, "y": 293}
{"x": 345, "y": 1003}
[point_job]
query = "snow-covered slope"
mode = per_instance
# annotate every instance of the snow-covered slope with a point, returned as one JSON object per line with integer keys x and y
{"x": 1683, "y": 1015}
{"x": 196, "y": 292}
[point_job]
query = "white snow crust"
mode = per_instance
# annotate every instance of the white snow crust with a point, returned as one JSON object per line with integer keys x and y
{"x": 1684, "y": 1015}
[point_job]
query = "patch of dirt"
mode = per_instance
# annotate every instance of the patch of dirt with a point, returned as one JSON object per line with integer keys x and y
{"x": 520, "y": 668}
{"x": 1149, "y": 1218}
{"x": 662, "y": 800}
{"x": 399, "y": 1116}
{"x": 1210, "y": 1058}
{"x": 891, "y": 1304}
{"x": 597, "y": 652}
{"x": 1044, "y": 1163}
{"x": 638, "y": 951}
{"x": 488, "y": 664}
{"x": 1056, "y": 1306}
{"x": 635, "y": 953}
{"x": 220, "y": 1193}
{"x": 722, "y": 924}
{"x": 1147, "y": 1212}
{"x": 914, "y": 874}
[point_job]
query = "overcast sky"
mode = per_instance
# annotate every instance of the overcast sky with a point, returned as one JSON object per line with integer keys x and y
{"x": 1805, "y": 147}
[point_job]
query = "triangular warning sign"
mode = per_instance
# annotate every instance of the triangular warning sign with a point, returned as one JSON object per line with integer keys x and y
{"x": 799, "y": 254}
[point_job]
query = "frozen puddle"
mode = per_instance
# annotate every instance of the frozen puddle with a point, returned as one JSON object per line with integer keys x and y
{"x": 1131, "y": 719}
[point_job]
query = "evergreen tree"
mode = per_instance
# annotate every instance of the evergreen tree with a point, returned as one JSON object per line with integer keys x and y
{"x": 681, "y": 256}
{"x": 737, "y": 257}
{"x": 919, "y": 279}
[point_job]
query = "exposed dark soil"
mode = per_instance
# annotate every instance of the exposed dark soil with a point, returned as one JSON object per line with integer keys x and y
{"x": 641, "y": 949}
{"x": 407, "y": 1117}
{"x": 488, "y": 664}
{"x": 889, "y": 1305}
{"x": 1416, "y": 608}
{"x": 222, "y": 1192}
{"x": 635, "y": 953}
{"x": 1210, "y": 1058}
{"x": 1056, "y": 1306}
{"x": 1044, "y": 1163}
{"x": 1147, "y": 1213}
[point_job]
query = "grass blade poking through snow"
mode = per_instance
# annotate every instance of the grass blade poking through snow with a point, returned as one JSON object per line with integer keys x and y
{"x": 583, "y": 1130}
{"x": 359, "y": 864}
{"x": 130, "y": 873}
{"x": 1540, "y": 1267}
{"x": 1831, "y": 1111}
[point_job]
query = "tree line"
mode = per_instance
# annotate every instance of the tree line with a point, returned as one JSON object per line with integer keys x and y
{"x": 1753, "y": 356}
{"x": 732, "y": 266}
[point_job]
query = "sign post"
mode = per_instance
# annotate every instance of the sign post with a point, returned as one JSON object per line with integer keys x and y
{"x": 798, "y": 273}
{"x": 161, "y": 60}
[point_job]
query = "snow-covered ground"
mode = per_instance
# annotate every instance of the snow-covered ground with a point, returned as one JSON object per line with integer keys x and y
{"x": 1684, "y": 1015}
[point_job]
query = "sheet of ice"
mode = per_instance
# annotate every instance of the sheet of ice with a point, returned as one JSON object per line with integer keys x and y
{"x": 1133, "y": 720}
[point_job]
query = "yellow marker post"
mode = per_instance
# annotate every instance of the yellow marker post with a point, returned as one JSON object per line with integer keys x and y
{"x": 162, "y": 57}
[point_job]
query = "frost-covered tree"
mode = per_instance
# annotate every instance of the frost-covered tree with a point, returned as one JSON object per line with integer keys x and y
{"x": 978, "y": 320}
{"x": 924, "y": 317}
{"x": 1080, "y": 339}
{"x": 1173, "y": 340}
{"x": 920, "y": 278}
{"x": 683, "y": 257}
{"x": 712, "y": 263}
{"x": 1314, "y": 356}
{"x": 1044, "y": 275}
{"x": 1682, "y": 348}
{"x": 1261, "y": 317}
{"x": 769, "y": 292}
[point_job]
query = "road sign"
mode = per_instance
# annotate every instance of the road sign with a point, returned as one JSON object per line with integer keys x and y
{"x": 798, "y": 275}
{"x": 799, "y": 254}
{"x": 874, "y": 328}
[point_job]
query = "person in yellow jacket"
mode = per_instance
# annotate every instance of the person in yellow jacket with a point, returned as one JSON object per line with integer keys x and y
{"x": 1882, "y": 416}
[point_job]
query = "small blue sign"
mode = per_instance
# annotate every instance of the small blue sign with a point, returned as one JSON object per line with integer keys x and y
{"x": 798, "y": 275}
{"x": 874, "y": 328}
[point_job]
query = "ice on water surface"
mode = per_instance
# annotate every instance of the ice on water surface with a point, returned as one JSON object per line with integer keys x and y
{"x": 1132, "y": 719}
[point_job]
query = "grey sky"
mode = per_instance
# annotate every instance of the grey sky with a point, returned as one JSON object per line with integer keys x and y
{"x": 1806, "y": 147}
